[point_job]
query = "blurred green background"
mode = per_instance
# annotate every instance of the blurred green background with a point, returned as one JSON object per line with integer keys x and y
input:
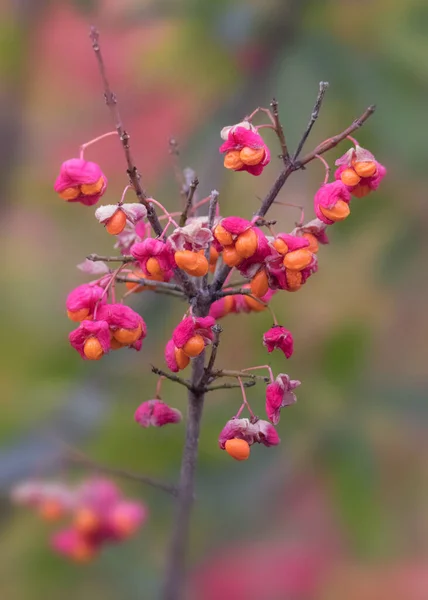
{"x": 338, "y": 510}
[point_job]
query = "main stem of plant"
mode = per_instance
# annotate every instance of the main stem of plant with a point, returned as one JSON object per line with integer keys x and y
{"x": 175, "y": 571}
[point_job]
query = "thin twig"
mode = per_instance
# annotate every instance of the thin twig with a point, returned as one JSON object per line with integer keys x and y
{"x": 194, "y": 184}
{"x": 280, "y": 132}
{"x": 78, "y": 458}
{"x": 320, "y": 149}
{"x": 240, "y": 292}
{"x": 228, "y": 386}
{"x": 172, "y": 287}
{"x": 314, "y": 116}
{"x": 212, "y": 209}
{"x": 174, "y": 152}
{"x": 242, "y": 374}
{"x": 171, "y": 377}
{"x": 333, "y": 141}
{"x": 111, "y": 101}
{"x": 123, "y": 259}
{"x": 217, "y": 330}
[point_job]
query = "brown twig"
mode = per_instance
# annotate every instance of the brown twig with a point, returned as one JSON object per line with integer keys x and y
{"x": 217, "y": 330}
{"x": 111, "y": 101}
{"x": 242, "y": 374}
{"x": 176, "y": 556}
{"x": 172, "y": 287}
{"x": 194, "y": 184}
{"x": 280, "y": 132}
{"x": 172, "y": 377}
{"x": 228, "y": 386}
{"x": 78, "y": 458}
{"x": 320, "y": 149}
{"x": 124, "y": 259}
{"x": 314, "y": 116}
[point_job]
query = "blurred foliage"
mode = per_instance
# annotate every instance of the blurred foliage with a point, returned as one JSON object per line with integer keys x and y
{"x": 349, "y": 476}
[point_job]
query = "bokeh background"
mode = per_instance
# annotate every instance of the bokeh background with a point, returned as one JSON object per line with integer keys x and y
{"x": 338, "y": 510}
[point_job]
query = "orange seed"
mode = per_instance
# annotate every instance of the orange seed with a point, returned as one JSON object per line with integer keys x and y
{"x": 181, "y": 359}
{"x": 152, "y": 266}
{"x": 298, "y": 259}
{"x": 194, "y": 346}
{"x": 127, "y": 336}
{"x": 246, "y": 243}
{"x": 230, "y": 256}
{"x": 232, "y": 160}
{"x": 350, "y": 177}
{"x": 280, "y": 246}
{"x": 90, "y": 189}
{"x": 70, "y": 193}
{"x": 294, "y": 280}
{"x": 251, "y": 156}
{"x": 93, "y": 349}
{"x": 86, "y": 521}
{"x": 51, "y": 510}
{"x": 223, "y": 236}
{"x": 78, "y": 315}
{"x": 259, "y": 284}
{"x": 313, "y": 242}
{"x": 237, "y": 449}
{"x": 116, "y": 223}
{"x": 365, "y": 168}
{"x": 339, "y": 212}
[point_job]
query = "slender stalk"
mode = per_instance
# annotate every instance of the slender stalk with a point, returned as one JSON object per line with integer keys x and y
{"x": 314, "y": 116}
{"x": 194, "y": 184}
{"x": 228, "y": 386}
{"x": 125, "y": 259}
{"x": 111, "y": 101}
{"x": 320, "y": 149}
{"x": 77, "y": 458}
{"x": 280, "y": 132}
{"x": 175, "y": 573}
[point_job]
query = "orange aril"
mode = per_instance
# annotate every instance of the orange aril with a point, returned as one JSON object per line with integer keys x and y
{"x": 223, "y": 236}
{"x": 350, "y": 177}
{"x": 228, "y": 304}
{"x": 237, "y": 449}
{"x": 230, "y": 256}
{"x": 127, "y": 336}
{"x": 253, "y": 304}
{"x": 90, "y": 189}
{"x": 116, "y": 223}
{"x": 152, "y": 266}
{"x": 361, "y": 190}
{"x": 181, "y": 359}
{"x": 298, "y": 259}
{"x": 213, "y": 259}
{"x": 78, "y": 315}
{"x": 280, "y": 246}
{"x": 70, "y": 193}
{"x": 115, "y": 345}
{"x": 294, "y": 280}
{"x": 51, "y": 510}
{"x": 313, "y": 242}
{"x": 252, "y": 156}
{"x": 86, "y": 520}
{"x": 93, "y": 349}
{"x": 339, "y": 212}
{"x": 259, "y": 284}
{"x": 246, "y": 243}
{"x": 232, "y": 160}
{"x": 193, "y": 263}
{"x": 365, "y": 168}
{"x": 194, "y": 346}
